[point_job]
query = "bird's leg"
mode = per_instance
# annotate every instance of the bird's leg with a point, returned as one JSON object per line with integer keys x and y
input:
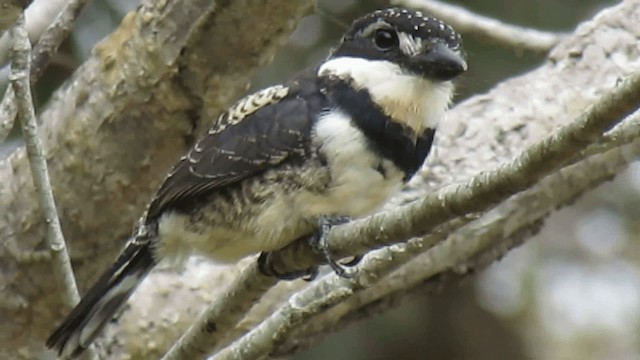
{"x": 318, "y": 242}
{"x": 266, "y": 268}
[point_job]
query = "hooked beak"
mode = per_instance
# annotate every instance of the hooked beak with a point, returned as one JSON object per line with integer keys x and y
{"x": 440, "y": 63}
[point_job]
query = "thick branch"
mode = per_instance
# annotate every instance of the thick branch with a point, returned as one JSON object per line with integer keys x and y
{"x": 115, "y": 128}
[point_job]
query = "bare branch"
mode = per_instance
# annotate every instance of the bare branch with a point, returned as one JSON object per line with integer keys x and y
{"x": 20, "y": 68}
{"x": 486, "y": 28}
{"x": 20, "y": 82}
{"x": 41, "y": 54}
{"x": 625, "y": 133}
{"x": 38, "y": 15}
{"x": 53, "y": 36}
{"x": 223, "y": 314}
{"x": 260, "y": 341}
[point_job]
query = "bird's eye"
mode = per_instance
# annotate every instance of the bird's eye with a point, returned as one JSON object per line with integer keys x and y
{"x": 386, "y": 39}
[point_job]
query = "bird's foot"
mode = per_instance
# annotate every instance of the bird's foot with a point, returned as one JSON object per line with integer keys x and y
{"x": 266, "y": 268}
{"x": 318, "y": 242}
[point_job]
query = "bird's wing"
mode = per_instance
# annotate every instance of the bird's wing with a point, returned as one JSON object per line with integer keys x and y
{"x": 252, "y": 136}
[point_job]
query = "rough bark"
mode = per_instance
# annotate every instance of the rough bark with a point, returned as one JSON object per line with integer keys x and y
{"x": 112, "y": 131}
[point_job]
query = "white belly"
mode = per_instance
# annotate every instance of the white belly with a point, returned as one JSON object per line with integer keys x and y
{"x": 361, "y": 181}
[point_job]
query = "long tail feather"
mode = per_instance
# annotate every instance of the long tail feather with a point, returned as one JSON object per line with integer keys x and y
{"x": 102, "y": 301}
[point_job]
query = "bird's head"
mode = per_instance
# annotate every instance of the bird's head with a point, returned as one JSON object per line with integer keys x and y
{"x": 404, "y": 59}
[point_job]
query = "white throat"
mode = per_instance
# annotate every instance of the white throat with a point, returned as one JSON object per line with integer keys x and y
{"x": 410, "y": 99}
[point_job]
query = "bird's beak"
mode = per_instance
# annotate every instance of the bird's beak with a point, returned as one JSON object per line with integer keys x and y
{"x": 439, "y": 63}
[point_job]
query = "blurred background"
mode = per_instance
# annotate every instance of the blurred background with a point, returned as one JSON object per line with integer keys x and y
{"x": 572, "y": 292}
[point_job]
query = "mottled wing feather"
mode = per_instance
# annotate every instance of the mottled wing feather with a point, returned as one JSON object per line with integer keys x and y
{"x": 259, "y": 132}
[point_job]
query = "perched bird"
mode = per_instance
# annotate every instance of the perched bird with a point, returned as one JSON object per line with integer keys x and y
{"x": 335, "y": 141}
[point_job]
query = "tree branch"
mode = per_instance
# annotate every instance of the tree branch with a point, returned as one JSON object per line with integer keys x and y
{"x": 41, "y": 54}
{"x": 38, "y": 16}
{"x": 20, "y": 69}
{"x": 488, "y": 29}
{"x": 20, "y": 82}
{"x": 223, "y": 314}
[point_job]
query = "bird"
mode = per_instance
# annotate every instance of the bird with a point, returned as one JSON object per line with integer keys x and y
{"x": 332, "y": 143}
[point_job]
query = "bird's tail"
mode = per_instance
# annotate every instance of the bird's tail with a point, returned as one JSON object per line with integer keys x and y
{"x": 102, "y": 301}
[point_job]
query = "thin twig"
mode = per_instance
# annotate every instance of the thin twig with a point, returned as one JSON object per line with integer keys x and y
{"x": 327, "y": 291}
{"x": 20, "y": 66}
{"x": 626, "y": 132}
{"x": 20, "y": 83}
{"x": 223, "y": 314}
{"x": 55, "y": 34}
{"x": 41, "y": 55}
{"x": 486, "y": 28}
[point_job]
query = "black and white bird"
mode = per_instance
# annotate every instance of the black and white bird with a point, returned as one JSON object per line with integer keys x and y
{"x": 336, "y": 141}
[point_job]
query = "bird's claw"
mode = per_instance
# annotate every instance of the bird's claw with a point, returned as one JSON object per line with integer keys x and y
{"x": 266, "y": 268}
{"x": 318, "y": 242}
